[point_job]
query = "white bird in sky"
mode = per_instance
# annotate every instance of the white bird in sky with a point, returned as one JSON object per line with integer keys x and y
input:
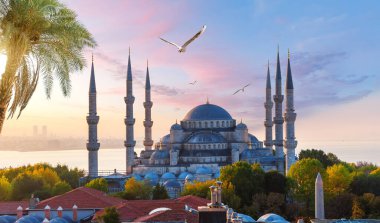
{"x": 182, "y": 48}
{"x": 241, "y": 89}
{"x": 193, "y": 83}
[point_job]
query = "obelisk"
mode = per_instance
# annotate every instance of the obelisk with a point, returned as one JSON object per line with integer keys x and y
{"x": 319, "y": 201}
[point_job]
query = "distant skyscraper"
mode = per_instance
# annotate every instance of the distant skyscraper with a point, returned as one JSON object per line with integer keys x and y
{"x": 35, "y": 131}
{"x": 44, "y": 131}
{"x": 129, "y": 121}
{"x": 92, "y": 121}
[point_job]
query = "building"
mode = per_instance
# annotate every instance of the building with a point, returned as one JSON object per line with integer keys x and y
{"x": 206, "y": 139}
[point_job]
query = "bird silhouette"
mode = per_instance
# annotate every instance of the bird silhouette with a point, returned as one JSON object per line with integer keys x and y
{"x": 193, "y": 83}
{"x": 241, "y": 89}
{"x": 182, "y": 48}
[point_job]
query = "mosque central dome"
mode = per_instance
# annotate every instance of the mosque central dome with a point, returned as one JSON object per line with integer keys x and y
{"x": 207, "y": 112}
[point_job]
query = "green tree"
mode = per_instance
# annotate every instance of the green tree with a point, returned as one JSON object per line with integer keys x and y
{"x": 110, "y": 215}
{"x": 24, "y": 185}
{"x": 357, "y": 209}
{"x": 60, "y": 187}
{"x": 159, "y": 192}
{"x": 71, "y": 176}
{"x": 5, "y": 189}
{"x": 38, "y": 37}
{"x": 229, "y": 197}
{"x": 376, "y": 172}
{"x": 48, "y": 175}
{"x": 338, "y": 179}
{"x": 326, "y": 159}
{"x": 246, "y": 179}
{"x": 275, "y": 182}
{"x": 200, "y": 189}
{"x": 136, "y": 190}
{"x": 98, "y": 184}
{"x": 334, "y": 208}
{"x": 303, "y": 174}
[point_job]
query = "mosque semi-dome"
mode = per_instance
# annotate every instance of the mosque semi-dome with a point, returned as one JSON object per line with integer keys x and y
{"x": 206, "y": 137}
{"x": 207, "y": 112}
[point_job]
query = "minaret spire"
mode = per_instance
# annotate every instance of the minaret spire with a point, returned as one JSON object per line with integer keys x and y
{"x": 268, "y": 113}
{"x": 148, "y": 123}
{"x": 92, "y": 121}
{"x": 129, "y": 120}
{"x": 278, "y": 119}
{"x": 290, "y": 117}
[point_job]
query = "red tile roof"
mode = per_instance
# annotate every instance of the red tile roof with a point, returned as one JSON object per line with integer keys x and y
{"x": 136, "y": 210}
{"x": 10, "y": 207}
{"x": 82, "y": 197}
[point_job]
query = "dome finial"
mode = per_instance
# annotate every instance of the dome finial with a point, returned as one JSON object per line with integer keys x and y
{"x": 92, "y": 57}
{"x": 207, "y": 102}
{"x": 241, "y": 120}
{"x": 176, "y": 122}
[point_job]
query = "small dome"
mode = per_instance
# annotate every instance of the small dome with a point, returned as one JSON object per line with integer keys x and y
{"x": 203, "y": 170}
{"x": 137, "y": 177}
{"x": 207, "y": 112}
{"x": 166, "y": 139}
{"x": 160, "y": 154}
{"x": 206, "y": 137}
{"x": 272, "y": 218}
{"x": 152, "y": 177}
{"x": 183, "y": 175}
{"x": 168, "y": 176}
{"x": 176, "y": 126}
{"x": 189, "y": 177}
{"x": 7, "y": 219}
{"x": 172, "y": 184}
{"x": 253, "y": 138}
{"x": 241, "y": 126}
{"x": 246, "y": 218}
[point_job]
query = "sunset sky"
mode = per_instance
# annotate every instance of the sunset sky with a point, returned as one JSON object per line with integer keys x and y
{"x": 334, "y": 47}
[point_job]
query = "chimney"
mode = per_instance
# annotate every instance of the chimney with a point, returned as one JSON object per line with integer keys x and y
{"x": 219, "y": 193}
{"x": 75, "y": 213}
{"x": 46, "y": 220}
{"x": 216, "y": 211}
{"x": 33, "y": 201}
{"x": 213, "y": 195}
{"x": 47, "y": 212}
{"x": 59, "y": 211}
{"x": 19, "y": 212}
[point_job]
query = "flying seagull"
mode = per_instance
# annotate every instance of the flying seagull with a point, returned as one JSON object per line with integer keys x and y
{"x": 241, "y": 89}
{"x": 193, "y": 83}
{"x": 182, "y": 48}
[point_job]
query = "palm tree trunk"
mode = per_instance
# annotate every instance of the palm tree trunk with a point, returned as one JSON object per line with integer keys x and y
{"x": 14, "y": 58}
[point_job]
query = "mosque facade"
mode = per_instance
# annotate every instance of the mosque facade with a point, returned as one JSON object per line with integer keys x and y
{"x": 206, "y": 139}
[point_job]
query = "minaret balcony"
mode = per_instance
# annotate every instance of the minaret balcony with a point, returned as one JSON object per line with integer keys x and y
{"x": 278, "y": 120}
{"x": 268, "y": 123}
{"x": 290, "y": 117}
{"x": 278, "y": 142}
{"x": 92, "y": 120}
{"x": 290, "y": 143}
{"x": 148, "y": 123}
{"x": 278, "y": 98}
{"x": 92, "y": 146}
{"x": 148, "y": 104}
{"x": 148, "y": 142}
{"x": 130, "y": 143}
{"x": 129, "y": 121}
{"x": 268, "y": 143}
{"x": 129, "y": 99}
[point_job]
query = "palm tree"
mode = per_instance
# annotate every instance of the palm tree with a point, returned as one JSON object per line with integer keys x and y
{"x": 39, "y": 37}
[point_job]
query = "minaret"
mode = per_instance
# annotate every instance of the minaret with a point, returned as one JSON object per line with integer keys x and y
{"x": 278, "y": 120}
{"x": 92, "y": 121}
{"x": 268, "y": 113}
{"x": 290, "y": 142}
{"x": 148, "y": 123}
{"x": 129, "y": 121}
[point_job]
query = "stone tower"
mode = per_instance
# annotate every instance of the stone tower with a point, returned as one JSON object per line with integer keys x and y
{"x": 148, "y": 123}
{"x": 278, "y": 119}
{"x": 268, "y": 113}
{"x": 129, "y": 121}
{"x": 92, "y": 121}
{"x": 290, "y": 142}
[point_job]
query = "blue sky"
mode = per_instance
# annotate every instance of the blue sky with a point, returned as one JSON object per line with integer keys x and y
{"x": 334, "y": 55}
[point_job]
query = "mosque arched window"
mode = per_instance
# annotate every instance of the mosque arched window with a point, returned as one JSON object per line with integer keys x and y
{"x": 212, "y": 124}
{"x": 217, "y": 123}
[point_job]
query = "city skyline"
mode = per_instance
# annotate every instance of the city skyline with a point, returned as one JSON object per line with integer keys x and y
{"x": 331, "y": 46}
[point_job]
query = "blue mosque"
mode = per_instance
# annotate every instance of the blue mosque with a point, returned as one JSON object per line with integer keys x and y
{"x": 206, "y": 139}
